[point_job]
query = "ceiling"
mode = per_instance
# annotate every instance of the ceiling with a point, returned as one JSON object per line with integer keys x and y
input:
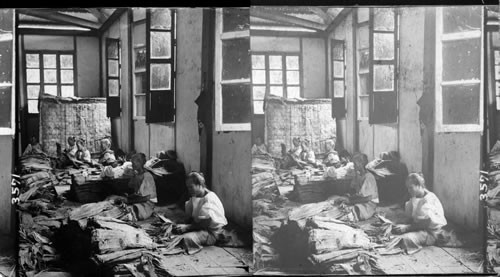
{"x": 311, "y": 19}
{"x": 78, "y": 19}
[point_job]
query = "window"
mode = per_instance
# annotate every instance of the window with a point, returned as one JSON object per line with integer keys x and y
{"x": 233, "y": 99}
{"x": 497, "y": 76}
{"x": 113, "y": 57}
{"x": 160, "y": 65}
{"x": 50, "y": 72}
{"x": 139, "y": 62}
{"x": 377, "y": 64}
{"x": 338, "y": 78}
{"x": 7, "y": 86}
{"x": 274, "y": 73}
{"x": 459, "y": 73}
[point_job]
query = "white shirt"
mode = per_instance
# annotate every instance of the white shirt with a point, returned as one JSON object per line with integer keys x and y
{"x": 427, "y": 207}
{"x": 208, "y": 206}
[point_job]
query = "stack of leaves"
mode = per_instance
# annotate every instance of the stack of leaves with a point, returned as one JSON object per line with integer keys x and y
{"x": 36, "y": 252}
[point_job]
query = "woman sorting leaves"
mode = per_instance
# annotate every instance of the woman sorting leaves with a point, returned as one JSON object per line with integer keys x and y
{"x": 426, "y": 217}
{"x": 206, "y": 215}
{"x": 143, "y": 200}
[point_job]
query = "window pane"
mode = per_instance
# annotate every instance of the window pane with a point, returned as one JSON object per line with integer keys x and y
{"x": 32, "y": 60}
{"x": 363, "y": 38}
{"x": 259, "y": 92}
{"x": 383, "y": 77}
{"x": 140, "y": 105}
{"x": 236, "y": 103}
{"x": 497, "y": 57}
{"x": 160, "y": 45}
{"x": 338, "y": 51}
{"x": 276, "y": 90}
{"x": 461, "y": 19}
{"x": 160, "y": 76}
{"x": 363, "y": 14}
{"x": 49, "y": 61}
{"x": 293, "y": 92}
{"x": 50, "y": 90}
{"x": 258, "y": 62}
{"x": 113, "y": 50}
{"x": 66, "y": 61}
{"x": 275, "y": 62}
{"x": 32, "y": 106}
{"x": 383, "y": 19}
{"x": 461, "y": 59}
{"x": 140, "y": 58}
{"x": 236, "y": 59}
{"x": 33, "y": 92}
{"x": 364, "y": 61}
{"x": 67, "y": 76}
{"x": 383, "y": 46}
{"x": 113, "y": 68}
{"x": 461, "y": 104}
{"x": 50, "y": 76}
{"x": 292, "y": 77}
{"x": 292, "y": 62}
{"x": 338, "y": 88}
{"x": 33, "y": 75}
{"x": 235, "y": 19}
{"x": 140, "y": 83}
{"x": 258, "y": 76}
{"x": 139, "y": 13}
{"x": 67, "y": 91}
{"x": 258, "y": 107}
{"x": 113, "y": 87}
{"x": 497, "y": 91}
{"x": 161, "y": 19}
{"x": 276, "y": 77}
{"x": 338, "y": 69}
{"x": 364, "y": 107}
{"x": 497, "y": 72}
{"x": 363, "y": 84}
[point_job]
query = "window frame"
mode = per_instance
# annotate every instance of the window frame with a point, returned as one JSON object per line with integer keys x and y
{"x": 456, "y": 36}
{"x": 9, "y": 35}
{"x": 359, "y": 25}
{"x": 136, "y": 23}
{"x": 496, "y": 68}
{"x": 220, "y": 36}
{"x": 150, "y": 117}
{"x": 284, "y": 70}
{"x": 338, "y": 102}
{"x": 41, "y": 67}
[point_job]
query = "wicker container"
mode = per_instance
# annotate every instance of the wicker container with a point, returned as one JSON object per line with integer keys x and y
{"x": 310, "y": 189}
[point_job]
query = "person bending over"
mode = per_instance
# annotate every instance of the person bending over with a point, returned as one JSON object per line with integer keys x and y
{"x": 107, "y": 156}
{"x": 144, "y": 197}
{"x": 206, "y": 215}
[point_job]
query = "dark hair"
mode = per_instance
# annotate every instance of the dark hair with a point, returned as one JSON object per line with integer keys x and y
{"x": 197, "y": 178}
{"x": 363, "y": 158}
{"x": 416, "y": 178}
{"x": 141, "y": 157}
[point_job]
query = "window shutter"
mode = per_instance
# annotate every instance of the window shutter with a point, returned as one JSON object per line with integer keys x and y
{"x": 160, "y": 69}
{"x": 113, "y": 85}
{"x": 337, "y": 52}
{"x": 383, "y": 66}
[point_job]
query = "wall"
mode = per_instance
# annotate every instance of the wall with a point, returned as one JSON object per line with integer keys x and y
{"x": 87, "y": 58}
{"x": 120, "y": 126}
{"x": 188, "y": 85}
{"x": 6, "y": 147}
{"x": 313, "y": 59}
{"x": 231, "y": 179}
{"x": 345, "y": 126}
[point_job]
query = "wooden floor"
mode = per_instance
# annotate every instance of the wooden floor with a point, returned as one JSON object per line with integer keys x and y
{"x": 212, "y": 260}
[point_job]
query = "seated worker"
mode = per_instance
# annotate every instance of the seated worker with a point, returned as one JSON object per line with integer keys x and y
{"x": 107, "y": 156}
{"x": 307, "y": 154}
{"x": 83, "y": 154}
{"x": 427, "y": 217}
{"x": 297, "y": 148}
{"x": 72, "y": 148}
{"x": 143, "y": 200}
{"x": 332, "y": 157}
{"x": 33, "y": 148}
{"x": 206, "y": 215}
{"x": 259, "y": 148}
{"x": 365, "y": 199}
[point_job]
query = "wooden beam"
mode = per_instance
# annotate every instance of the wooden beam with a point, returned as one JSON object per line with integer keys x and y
{"x": 98, "y": 14}
{"x": 265, "y": 33}
{"x": 112, "y": 18}
{"x": 338, "y": 19}
{"x": 30, "y": 31}
{"x": 279, "y": 17}
{"x": 327, "y": 19}
{"x": 55, "y": 16}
